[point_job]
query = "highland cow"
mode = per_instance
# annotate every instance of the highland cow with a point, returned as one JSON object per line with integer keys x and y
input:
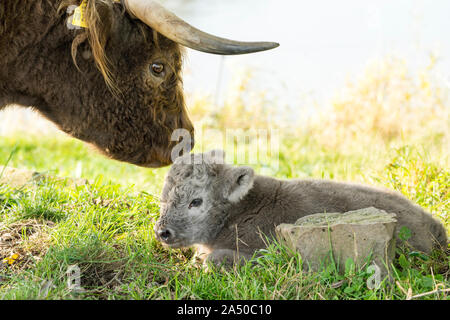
{"x": 226, "y": 211}
{"x": 113, "y": 79}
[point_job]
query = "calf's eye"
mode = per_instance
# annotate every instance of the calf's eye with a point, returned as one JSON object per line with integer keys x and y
{"x": 196, "y": 203}
{"x": 157, "y": 68}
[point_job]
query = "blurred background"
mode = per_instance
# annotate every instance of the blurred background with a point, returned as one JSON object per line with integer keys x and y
{"x": 324, "y": 45}
{"x": 358, "y": 90}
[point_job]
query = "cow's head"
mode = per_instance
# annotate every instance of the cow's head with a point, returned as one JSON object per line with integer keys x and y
{"x": 117, "y": 83}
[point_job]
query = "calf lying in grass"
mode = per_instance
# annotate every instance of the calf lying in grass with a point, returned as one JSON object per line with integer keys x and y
{"x": 224, "y": 209}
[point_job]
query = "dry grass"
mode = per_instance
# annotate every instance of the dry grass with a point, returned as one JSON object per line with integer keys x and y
{"x": 389, "y": 103}
{"x": 28, "y": 239}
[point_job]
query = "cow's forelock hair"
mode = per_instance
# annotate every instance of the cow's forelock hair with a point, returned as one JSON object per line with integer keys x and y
{"x": 99, "y": 17}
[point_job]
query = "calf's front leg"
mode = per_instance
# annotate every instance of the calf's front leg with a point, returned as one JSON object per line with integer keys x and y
{"x": 227, "y": 258}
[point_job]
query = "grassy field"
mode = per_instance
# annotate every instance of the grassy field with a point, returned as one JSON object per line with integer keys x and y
{"x": 388, "y": 128}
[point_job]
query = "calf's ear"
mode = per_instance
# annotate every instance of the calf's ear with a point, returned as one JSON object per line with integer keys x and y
{"x": 240, "y": 181}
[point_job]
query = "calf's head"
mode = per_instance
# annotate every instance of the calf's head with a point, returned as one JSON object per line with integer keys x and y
{"x": 198, "y": 191}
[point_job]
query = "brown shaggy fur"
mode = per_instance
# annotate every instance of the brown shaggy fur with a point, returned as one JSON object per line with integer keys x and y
{"x": 111, "y": 100}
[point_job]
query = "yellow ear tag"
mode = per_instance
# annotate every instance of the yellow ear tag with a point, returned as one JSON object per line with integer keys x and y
{"x": 79, "y": 15}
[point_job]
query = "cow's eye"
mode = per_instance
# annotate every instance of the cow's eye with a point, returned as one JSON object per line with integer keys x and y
{"x": 157, "y": 69}
{"x": 196, "y": 203}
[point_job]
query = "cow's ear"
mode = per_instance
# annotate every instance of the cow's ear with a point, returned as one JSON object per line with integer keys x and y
{"x": 239, "y": 182}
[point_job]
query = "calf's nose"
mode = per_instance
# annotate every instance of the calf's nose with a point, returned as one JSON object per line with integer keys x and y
{"x": 165, "y": 235}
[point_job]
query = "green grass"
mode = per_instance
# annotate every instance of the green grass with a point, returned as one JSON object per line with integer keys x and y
{"x": 105, "y": 228}
{"x": 390, "y": 128}
{"x": 71, "y": 158}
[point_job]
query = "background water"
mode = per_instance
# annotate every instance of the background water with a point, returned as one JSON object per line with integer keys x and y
{"x": 323, "y": 42}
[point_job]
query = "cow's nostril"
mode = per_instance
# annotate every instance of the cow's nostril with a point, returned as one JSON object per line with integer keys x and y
{"x": 165, "y": 234}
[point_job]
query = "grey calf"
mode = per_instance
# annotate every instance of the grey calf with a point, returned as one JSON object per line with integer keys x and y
{"x": 223, "y": 210}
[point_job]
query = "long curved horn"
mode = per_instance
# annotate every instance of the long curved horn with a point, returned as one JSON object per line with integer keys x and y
{"x": 168, "y": 24}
